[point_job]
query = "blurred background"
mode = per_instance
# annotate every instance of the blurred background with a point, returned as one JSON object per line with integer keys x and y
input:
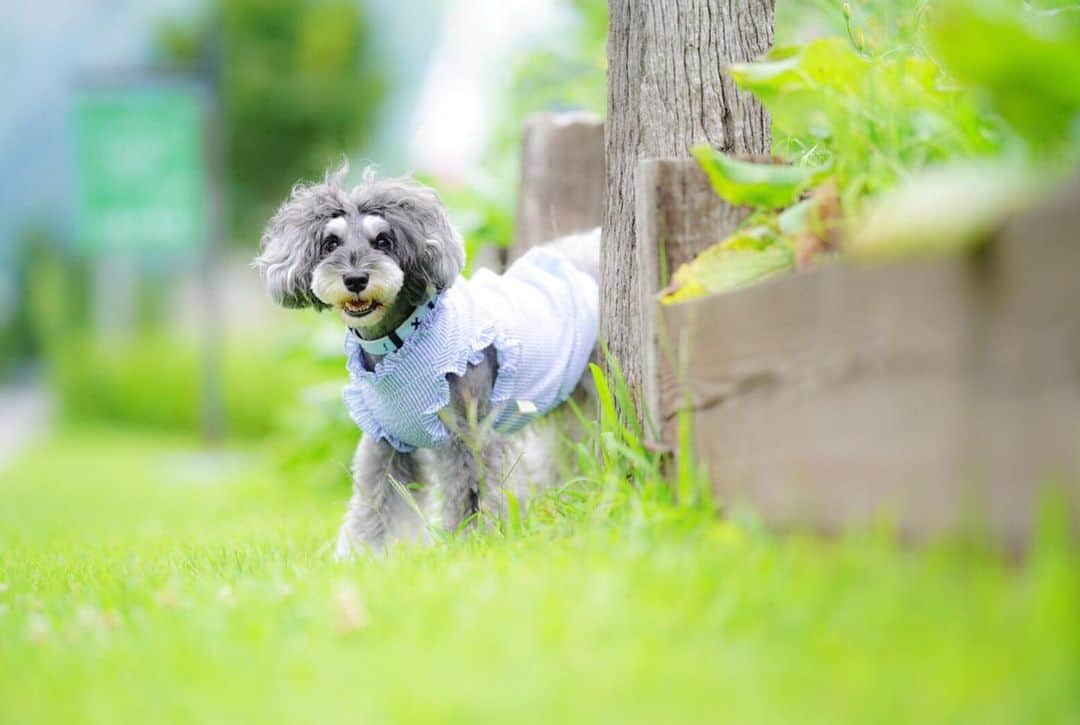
{"x": 145, "y": 144}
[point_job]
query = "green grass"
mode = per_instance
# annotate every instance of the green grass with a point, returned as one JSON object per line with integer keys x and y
{"x": 144, "y": 580}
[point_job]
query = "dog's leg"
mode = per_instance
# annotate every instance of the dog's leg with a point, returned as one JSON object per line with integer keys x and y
{"x": 474, "y": 479}
{"x": 498, "y": 466}
{"x": 380, "y": 507}
{"x": 459, "y": 463}
{"x": 459, "y": 478}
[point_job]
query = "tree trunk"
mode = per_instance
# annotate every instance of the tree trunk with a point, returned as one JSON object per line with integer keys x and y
{"x": 667, "y": 92}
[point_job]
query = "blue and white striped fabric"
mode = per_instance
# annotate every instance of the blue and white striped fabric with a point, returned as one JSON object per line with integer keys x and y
{"x": 542, "y": 318}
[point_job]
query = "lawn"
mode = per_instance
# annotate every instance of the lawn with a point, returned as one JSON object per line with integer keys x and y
{"x": 142, "y": 579}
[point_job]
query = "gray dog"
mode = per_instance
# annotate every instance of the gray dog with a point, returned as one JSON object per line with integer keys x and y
{"x": 444, "y": 372}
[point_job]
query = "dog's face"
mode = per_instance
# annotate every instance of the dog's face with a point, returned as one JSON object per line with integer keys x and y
{"x": 361, "y": 270}
{"x": 359, "y": 251}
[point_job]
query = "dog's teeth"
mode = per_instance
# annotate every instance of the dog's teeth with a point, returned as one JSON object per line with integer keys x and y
{"x": 358, "y": 307}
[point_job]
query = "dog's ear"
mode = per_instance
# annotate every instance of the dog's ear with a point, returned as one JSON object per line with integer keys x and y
{"x": 286, "y": 263}
{"x": 442, "y": 259}
{"x": 441, "y": 250}
{"x": 290, "y": 247}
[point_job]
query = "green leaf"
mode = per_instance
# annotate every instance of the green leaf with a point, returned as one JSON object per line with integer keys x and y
{"x": 768, "y": 76}
{"x": 795, "y": 218}
{"x": 749, "y": 184}
{"x": 822, "y": 63}
{"x": 943, "y": 210}
{"x": 748, "y": 256}
{"x": 872, "y": 117}
{"x": 1027, "y": 63}
{"x": 807, "y": 88}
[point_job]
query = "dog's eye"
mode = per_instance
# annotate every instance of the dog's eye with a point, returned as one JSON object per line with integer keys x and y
{"x": 330, "y": 244}
{"x": 382, "y": 242}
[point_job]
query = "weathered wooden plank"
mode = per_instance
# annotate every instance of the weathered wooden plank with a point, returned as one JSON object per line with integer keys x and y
{"x": 934, "y": 392}
{"x": 678, "y": 216}
{"x": 562, "y": 178}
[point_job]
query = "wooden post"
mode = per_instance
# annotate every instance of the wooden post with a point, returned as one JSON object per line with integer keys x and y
{"x": 562, "y": 178}
{"x": 678, "y": 216}
{"x": 667, "y": 91}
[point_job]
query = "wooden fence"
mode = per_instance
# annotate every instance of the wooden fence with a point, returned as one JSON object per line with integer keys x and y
{"x": 937, "y": 392}
{"x": 934, "y": 392}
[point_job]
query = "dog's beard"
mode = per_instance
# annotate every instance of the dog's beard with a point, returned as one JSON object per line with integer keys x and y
{"x": 368, "y": 308}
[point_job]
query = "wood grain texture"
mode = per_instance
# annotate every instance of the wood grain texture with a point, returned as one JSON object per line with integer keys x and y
{"x": 935, "y": 391}
{"x": 667, "y": 92}
{"x": 678, "y": 216}
{"x": 562, "y": 178}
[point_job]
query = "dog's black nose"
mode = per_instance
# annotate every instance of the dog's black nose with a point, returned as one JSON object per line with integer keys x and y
{"x": 356, "y": 283}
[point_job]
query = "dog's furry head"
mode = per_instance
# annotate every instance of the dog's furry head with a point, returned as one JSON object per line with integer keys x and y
{"x": 357, "y": 250}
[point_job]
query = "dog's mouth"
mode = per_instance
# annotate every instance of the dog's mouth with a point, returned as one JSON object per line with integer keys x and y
{"x": 359, "y": 308}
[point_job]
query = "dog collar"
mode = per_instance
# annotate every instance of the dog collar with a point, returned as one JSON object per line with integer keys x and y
{"x": 395, "y": 339}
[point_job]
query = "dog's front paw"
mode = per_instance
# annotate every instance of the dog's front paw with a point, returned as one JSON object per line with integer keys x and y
{"x": 348, "y": 548}
{"x": 343, "y": 550}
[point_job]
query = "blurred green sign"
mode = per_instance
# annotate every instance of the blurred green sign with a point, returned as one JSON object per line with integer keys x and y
{"x": 141, "y": 168}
